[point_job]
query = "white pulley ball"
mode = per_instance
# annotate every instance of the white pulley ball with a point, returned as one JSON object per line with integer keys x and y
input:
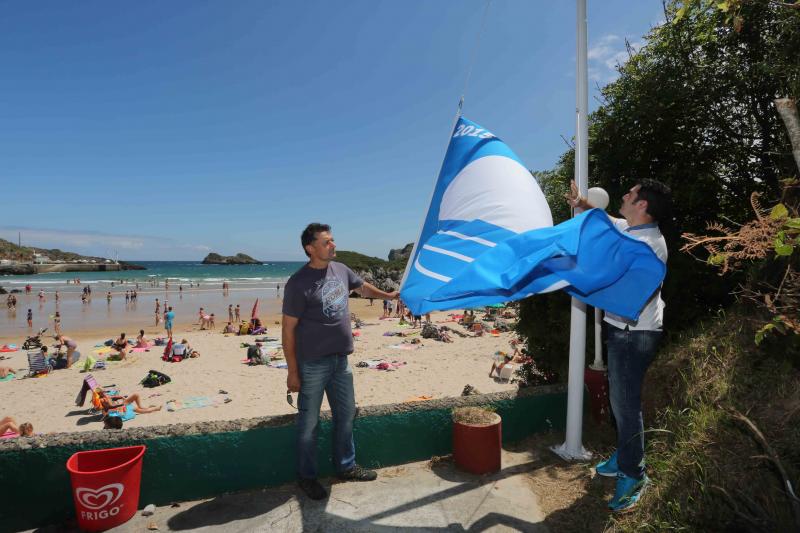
{"x": 598, "y": 197}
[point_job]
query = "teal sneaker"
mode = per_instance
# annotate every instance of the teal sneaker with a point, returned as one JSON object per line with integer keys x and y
{"x": 628, "y": 492}
{"x": 609, "y": 467}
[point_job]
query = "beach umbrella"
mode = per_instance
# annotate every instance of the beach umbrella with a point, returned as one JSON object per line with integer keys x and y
{"x": 254, "y": 314}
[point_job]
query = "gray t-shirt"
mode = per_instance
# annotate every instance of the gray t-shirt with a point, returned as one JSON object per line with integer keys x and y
{"x": 319, "y": 299}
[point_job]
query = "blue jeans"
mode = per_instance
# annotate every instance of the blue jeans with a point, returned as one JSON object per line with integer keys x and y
{"x": 332, "y": 375}
{"x": 629, "y": 355}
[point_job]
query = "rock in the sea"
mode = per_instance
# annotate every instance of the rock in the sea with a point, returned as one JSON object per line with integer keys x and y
{"x": 238, "y": 259}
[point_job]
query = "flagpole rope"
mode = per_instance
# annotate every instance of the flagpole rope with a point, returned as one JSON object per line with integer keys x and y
{"x": 473, "y": 55}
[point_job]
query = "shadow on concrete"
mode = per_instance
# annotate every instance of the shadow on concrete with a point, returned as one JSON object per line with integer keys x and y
{"x": 231, "y": 508}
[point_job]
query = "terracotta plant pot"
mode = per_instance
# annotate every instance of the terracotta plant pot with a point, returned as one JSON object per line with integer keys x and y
{"x": 476, "y": 447}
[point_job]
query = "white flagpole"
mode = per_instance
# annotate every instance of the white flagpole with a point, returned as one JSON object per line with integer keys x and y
{"x": 573, "y": 447}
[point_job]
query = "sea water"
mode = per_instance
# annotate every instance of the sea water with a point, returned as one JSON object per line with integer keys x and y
{"x": 184, "y": 285}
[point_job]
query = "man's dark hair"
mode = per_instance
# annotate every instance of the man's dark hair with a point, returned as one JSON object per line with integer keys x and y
{"x": 658, "y": 197}
{"x": 310, "y": 233}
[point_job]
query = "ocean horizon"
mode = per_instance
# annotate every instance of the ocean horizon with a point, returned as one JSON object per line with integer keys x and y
{"x": 178, "y": 273}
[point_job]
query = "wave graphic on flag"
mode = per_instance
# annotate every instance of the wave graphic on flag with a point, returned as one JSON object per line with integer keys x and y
{"x": 489, "y": 238}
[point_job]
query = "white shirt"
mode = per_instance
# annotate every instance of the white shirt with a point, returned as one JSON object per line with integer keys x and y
{"x": 652, "y": 316}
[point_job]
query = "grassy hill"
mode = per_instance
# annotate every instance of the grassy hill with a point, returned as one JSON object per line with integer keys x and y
{"x": 9, "y": 250}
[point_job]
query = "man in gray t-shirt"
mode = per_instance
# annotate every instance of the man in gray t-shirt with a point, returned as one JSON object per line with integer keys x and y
{"x": 317, "y": 338}
{"x": 319, "y": 298}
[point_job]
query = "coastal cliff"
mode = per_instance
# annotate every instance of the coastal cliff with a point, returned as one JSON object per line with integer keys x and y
{"x": 386, "y": 275}
{"x": 238, "y": 259}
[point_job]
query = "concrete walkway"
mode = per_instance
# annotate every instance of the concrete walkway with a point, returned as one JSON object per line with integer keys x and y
{"x": 412, "y": 497}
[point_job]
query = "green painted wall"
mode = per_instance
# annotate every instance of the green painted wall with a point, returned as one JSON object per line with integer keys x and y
{"x": 36, "y": 487}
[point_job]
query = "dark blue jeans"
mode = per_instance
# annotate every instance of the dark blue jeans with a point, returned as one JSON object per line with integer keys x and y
{"x": 629, "y": 355}
{"x": 331, "y": 375}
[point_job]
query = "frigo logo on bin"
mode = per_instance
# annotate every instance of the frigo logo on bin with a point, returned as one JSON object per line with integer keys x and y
{"x": 100, "y": 501}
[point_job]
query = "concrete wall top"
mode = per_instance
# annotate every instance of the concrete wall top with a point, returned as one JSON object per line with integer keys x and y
{"x": 111, "y": 437}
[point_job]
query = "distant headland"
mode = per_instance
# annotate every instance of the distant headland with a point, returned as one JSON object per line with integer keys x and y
{"x": 25, "y": 260}
{"x": 238, "y": 259}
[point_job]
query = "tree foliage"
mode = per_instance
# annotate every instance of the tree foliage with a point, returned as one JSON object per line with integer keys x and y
{"x": 693, "y": 108}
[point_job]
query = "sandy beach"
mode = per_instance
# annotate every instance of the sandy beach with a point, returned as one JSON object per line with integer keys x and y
{"x": 435, "y": 370}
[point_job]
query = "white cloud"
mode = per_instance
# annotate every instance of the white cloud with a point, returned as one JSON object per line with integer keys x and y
{"x": 606, "y": 55}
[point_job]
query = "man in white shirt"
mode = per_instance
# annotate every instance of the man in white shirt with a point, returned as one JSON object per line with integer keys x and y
{"x": 632, "y": 344}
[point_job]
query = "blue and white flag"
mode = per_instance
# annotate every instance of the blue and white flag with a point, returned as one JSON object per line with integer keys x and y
{"x": 489, "y": 238}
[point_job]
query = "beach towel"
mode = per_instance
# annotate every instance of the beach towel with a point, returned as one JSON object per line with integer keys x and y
{"x": 9, "y": 348}
{"x": 405, "y": 346}
{"x": 8, "y": 378}
{"x": 9, "y": 435}
{"x": 198, "y": 402}
{"x": 127, "y": 414}
{"x": 102, "y": 351}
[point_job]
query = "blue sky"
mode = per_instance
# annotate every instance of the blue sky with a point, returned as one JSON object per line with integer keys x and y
{"x": 164, "y": 130}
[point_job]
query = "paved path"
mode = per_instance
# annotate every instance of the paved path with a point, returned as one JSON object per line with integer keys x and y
{"x": 412, "y": 497}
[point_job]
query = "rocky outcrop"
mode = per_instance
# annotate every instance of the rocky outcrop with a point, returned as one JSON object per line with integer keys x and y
{"x": 238, "y": 259}
{"x": 385, "y": 279}
{"x": 401, "y": 254}
{"x": 124, "y": 265}
{"x": 17, "y": 269}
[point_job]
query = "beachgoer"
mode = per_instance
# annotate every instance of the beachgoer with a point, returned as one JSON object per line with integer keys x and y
{"x": 385, "y": 307}
{"x": 211, "y": 323}
{"x": 230, "y": 313}
{"x": 115, "y": 403}
{"x": 121, "y": 345}
{"x": 30, "y": 318}
{"x": 632, "y": 344}
{"x": 190, "y": 352}
{"x": 71, "y": 346}
{"x": 57, "y": 323}
{"x": 127, "y": 297}
{"x": 254, "y": 354}
{"x": 236, "y": 312}
{"x": 108, "y": 297}
{"x": 41, "y": 295}
{"x": 57, "y": 297}
{"x": 317, "y": 338}
{"x": 158, "y": 306}
{"x": 9, "y": 427}
{"x": 168, "y": 317}
{"x": 141, "y": 340}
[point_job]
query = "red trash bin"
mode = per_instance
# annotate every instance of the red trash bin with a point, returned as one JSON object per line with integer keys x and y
{"x": 105, "y": 486}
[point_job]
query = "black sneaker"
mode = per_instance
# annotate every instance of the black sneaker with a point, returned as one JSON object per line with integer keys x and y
{"x": 313, "y": 489}
{"x": 357, "y": 473}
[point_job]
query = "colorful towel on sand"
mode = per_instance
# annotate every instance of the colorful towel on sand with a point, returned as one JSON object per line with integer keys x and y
{"x": 140, "y": 350}
{"x": 380, "y": 364}
{"x": 8, "y": 377}
{"x": 197, "y": 402}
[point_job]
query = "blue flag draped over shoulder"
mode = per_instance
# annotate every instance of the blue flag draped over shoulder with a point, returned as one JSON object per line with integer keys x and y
{"x": 489, "y": 238}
